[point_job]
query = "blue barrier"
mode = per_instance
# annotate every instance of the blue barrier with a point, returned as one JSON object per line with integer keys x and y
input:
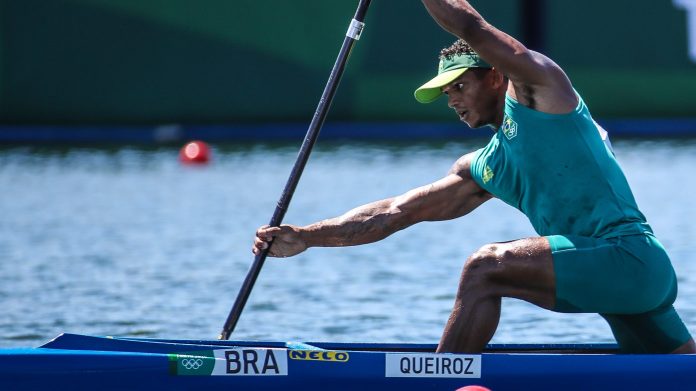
{"x": 654, "y": 128}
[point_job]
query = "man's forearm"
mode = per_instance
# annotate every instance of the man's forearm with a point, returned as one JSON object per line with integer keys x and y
{"x": 365, "y": 224}
{"x": 456, "y": 16}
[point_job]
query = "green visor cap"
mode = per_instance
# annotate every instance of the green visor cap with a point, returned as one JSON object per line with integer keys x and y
{"x": 448, "y": 69}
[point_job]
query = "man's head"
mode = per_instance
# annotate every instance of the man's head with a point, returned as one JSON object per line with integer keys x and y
{"x": 475, "y": 90}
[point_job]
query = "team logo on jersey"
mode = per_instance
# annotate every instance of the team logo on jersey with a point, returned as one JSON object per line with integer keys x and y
{"x": 509, "y": 127}
{"x": 487, "y": 174}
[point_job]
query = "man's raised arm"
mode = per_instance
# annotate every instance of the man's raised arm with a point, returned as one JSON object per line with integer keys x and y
{"x": 537, "y": 81}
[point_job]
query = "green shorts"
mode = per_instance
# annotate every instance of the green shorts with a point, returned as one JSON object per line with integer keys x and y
{"x": 628, "y": 280}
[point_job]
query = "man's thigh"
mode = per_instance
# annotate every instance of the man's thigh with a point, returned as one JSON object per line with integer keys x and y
{"x": 628, "y": 275}
{"x": 629, "y": 281}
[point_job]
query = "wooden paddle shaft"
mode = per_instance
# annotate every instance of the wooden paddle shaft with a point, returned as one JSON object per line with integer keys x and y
{"x": 353, "y": 34}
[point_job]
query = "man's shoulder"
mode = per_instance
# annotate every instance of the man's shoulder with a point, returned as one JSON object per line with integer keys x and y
{"x": 552, "y": 94}
{"x": 462, "y": 166}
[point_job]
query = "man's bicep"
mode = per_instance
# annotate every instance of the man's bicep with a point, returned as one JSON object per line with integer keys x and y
{"x": 524, "y": 67}
{"x": 506, "y": 53}
{"x": 450, "y": 197}
{"x": 537, "y": 81}
{"x": 520, "y": 64}
{"x": 454, "y": 196}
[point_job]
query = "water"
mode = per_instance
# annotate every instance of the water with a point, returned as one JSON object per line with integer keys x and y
{"x": 126, "y": 241}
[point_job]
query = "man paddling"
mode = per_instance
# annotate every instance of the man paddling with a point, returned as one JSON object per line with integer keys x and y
{"x": 596, "y": 252}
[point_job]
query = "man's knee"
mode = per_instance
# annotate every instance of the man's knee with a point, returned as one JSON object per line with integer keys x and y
{"x": 483, "y": 263}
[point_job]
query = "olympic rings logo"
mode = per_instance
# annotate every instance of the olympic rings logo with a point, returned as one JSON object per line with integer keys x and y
{"x": 192, "y": 363}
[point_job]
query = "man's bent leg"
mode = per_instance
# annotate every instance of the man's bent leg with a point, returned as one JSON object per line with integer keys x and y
{"x": 522, "y": 269}
{"x": 657, "y": 331}
{"x": 629, "y": 281}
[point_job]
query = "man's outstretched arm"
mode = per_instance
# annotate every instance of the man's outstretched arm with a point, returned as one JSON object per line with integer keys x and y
{"x": 450, "y": 197}
{"x": 537, "y": 81}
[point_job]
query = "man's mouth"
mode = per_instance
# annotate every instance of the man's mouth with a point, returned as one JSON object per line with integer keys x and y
{"x": 461, "y": 113}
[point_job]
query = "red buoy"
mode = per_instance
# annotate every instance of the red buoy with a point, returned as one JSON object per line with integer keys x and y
{"x": 473, "y": 388}
{"x": 195, "y": 152}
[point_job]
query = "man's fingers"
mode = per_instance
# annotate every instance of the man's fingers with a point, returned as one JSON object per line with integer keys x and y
{"x": 261, "y": 232}
{"x": 267, "y": 233}
{"x": 260, "y": 244}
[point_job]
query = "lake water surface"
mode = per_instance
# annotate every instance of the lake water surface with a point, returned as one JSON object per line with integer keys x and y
{"x": 126, "y": 241}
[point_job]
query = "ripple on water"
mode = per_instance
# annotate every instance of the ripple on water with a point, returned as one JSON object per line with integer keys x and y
{"x": 266, "y": 306}
{"x": 24, "y": 337}
{"x": 335, "y": 330}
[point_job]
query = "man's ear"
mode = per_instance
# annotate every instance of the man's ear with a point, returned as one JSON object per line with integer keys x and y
{"x": 496, "y": 78}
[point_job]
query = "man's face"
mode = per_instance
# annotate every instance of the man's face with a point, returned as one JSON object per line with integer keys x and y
{"x": 473, "y": 97}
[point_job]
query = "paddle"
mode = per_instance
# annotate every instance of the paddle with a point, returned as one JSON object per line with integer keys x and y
{"x": 353, "y": 34}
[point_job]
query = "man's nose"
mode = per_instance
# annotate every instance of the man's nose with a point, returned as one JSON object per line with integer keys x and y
{"x": 451, "y": 101}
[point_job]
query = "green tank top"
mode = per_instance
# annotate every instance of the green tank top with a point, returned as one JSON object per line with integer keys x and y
{"x": 557, "y": 170}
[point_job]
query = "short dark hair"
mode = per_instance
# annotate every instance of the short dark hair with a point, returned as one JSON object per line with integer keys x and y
{"x": 458, "y": 47}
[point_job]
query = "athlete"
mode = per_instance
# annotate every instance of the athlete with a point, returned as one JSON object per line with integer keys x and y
{"x": 596, "y": 252}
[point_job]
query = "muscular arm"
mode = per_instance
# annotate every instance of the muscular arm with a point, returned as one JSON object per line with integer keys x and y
{"x": 450, "y": 197}
{"x": 536, "y": 81}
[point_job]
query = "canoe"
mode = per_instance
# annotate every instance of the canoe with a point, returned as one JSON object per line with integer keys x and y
{"x": 79, "y": 362}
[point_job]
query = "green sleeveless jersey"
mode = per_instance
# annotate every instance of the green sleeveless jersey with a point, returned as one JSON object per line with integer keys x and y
{"x": 557, "y": 170}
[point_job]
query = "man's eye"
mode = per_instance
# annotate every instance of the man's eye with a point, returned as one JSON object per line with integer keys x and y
{"x": 459, "y": 86}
